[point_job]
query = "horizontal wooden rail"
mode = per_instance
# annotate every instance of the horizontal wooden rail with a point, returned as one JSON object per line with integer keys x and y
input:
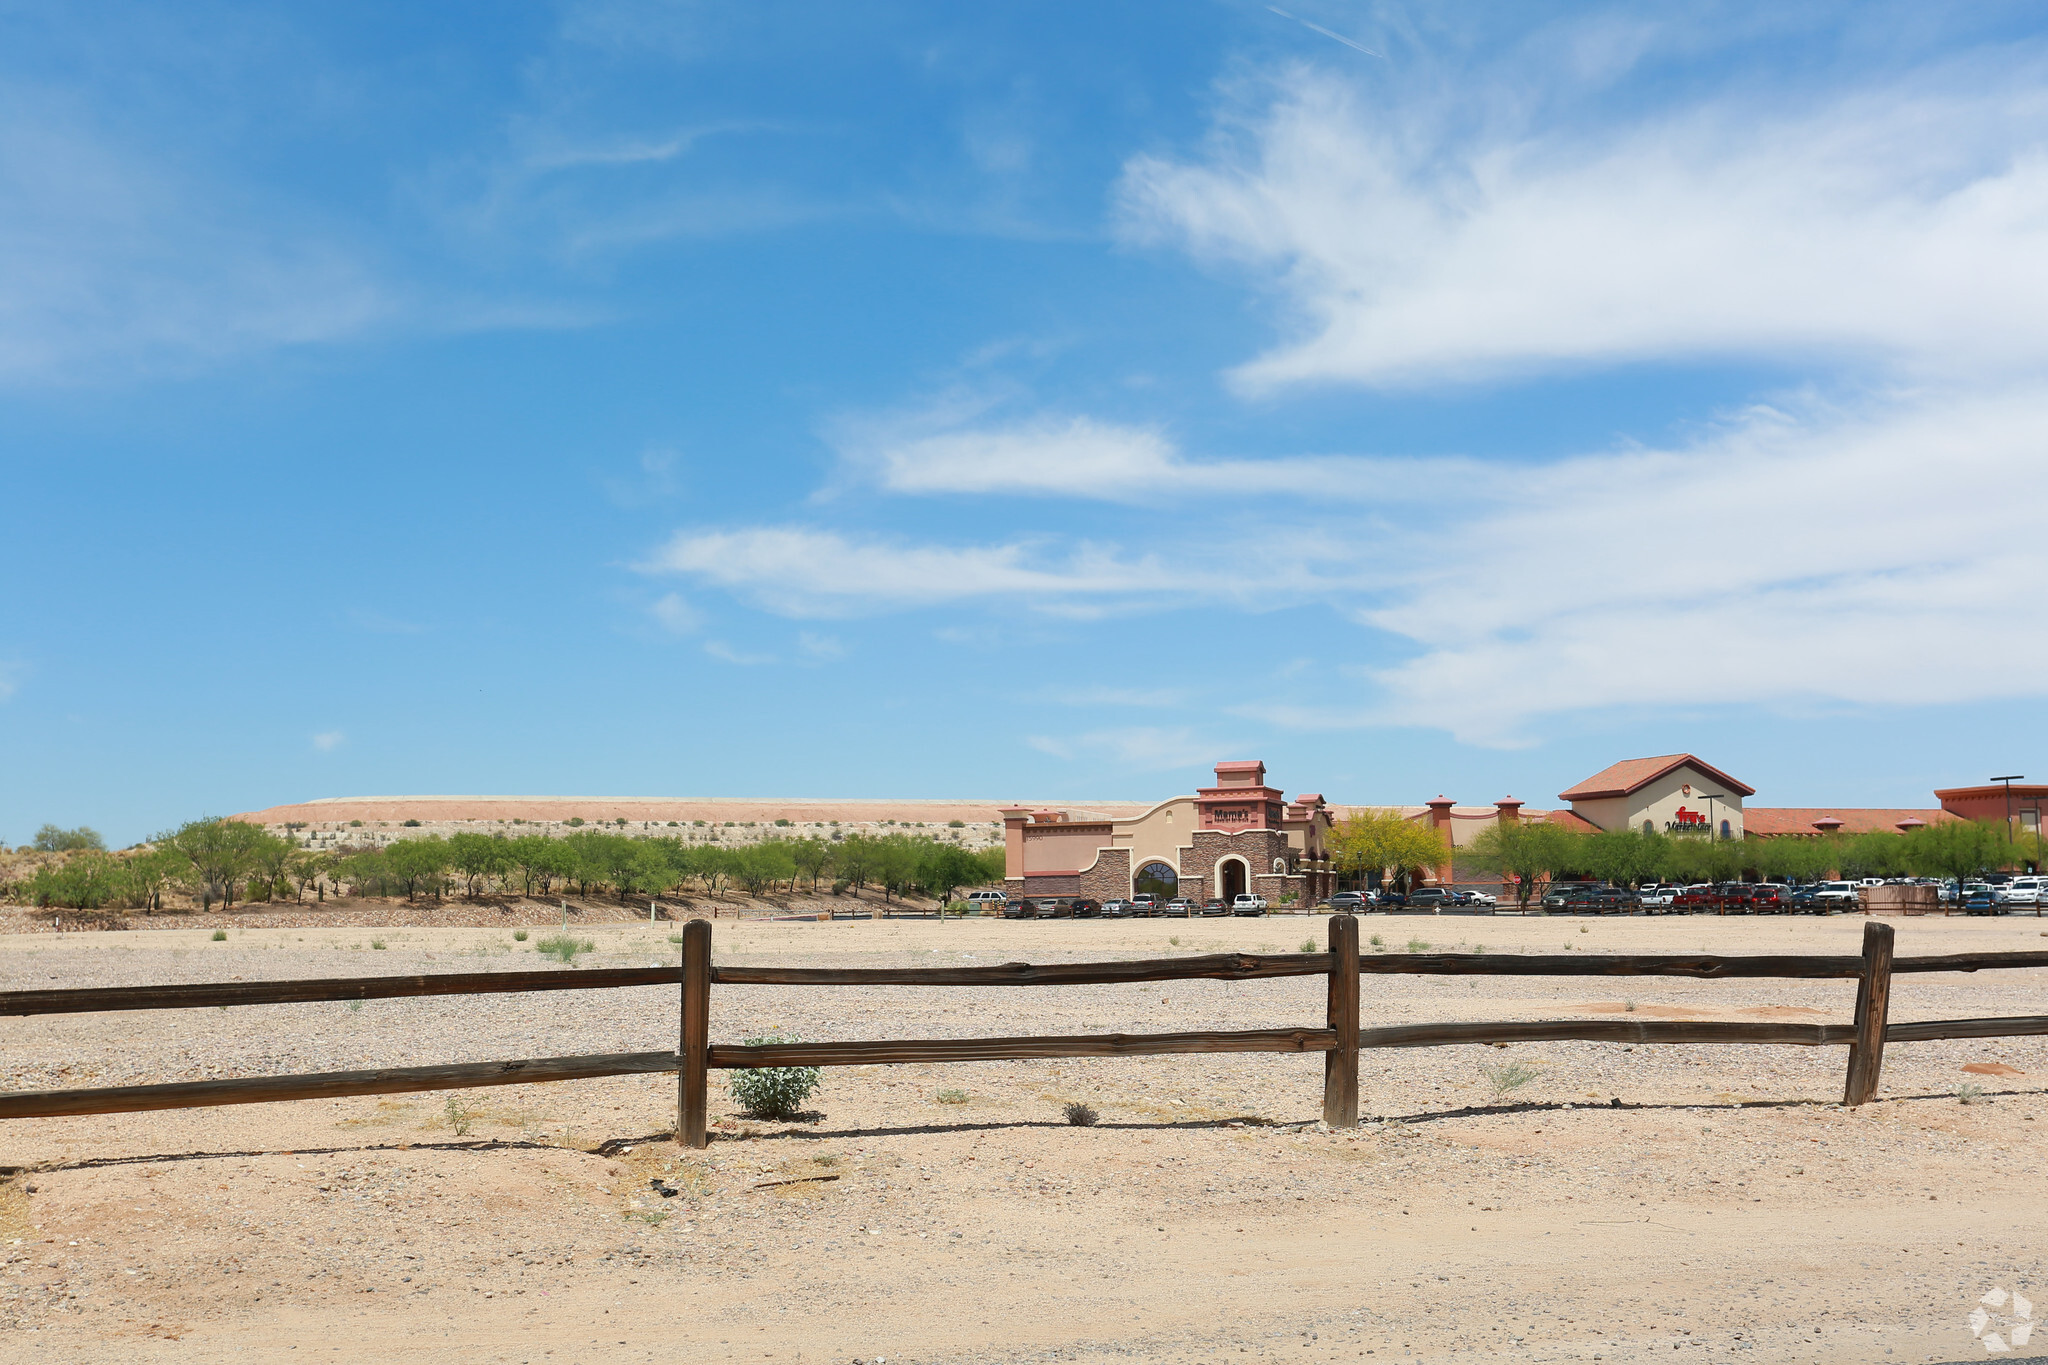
{"x": 1608, "y": 964}
{"x": 1207, "y": 967}
{"x": 206, "y": 994}
{"x": 1009, "y": 1049}
{"x": 2012, "y": 1026}
{"x": 1604, "y": 1031}
{"x": 1211, "y": 967}
{"x": 1968, "y": 962}
{"x": 468, "y": 1075}
{"x": 391, "y": 1080}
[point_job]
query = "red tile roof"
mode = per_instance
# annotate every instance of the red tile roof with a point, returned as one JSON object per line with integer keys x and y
{"x": 1632, "y": 774}
{"x": 1771, "y": 821}
{"x": 1570, "y": 819}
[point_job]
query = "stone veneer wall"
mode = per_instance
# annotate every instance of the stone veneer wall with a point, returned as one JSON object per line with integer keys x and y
{"x": 1110, "y": 878}
{"x": 1258, "y": 848}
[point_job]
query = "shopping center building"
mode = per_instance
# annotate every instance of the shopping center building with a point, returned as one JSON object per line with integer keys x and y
{"x": 1235, "y": 837}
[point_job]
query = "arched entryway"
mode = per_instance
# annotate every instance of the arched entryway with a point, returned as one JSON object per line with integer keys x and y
{"x": 1158, "y": 878}
{"x": 1232, "y": 879}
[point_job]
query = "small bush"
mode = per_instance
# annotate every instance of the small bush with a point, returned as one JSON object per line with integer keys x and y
{"x": 564, "y": 948}
{"x": 951, "y": 1097}
{"x": 1584, "y": 930}
{"x": 1969, "y": 1093}
{"x": 355, "y": 1006}
{"x": 459, "y": 1115}
{"x": 1416, "y": 945}
{"x": 774, "y": 1092}
{"x": 220, "y": 936}
{"x": 1506, "y": 1077}
{"x": 519, "y": 936}
{"x": 412, "y": 824}
{"x": 1377, "y": 942}
{"x": 1082, "y": 1115}
{"x": 1174, "y": 940}
{"x": 956, "y": 824}
{"x": 1629, "y": 1005}
{"x": 1308, "y": 945}
{"x": 573, "y": 820}
{"x": 377, "y": 943}
{"x": 355, "y": 824}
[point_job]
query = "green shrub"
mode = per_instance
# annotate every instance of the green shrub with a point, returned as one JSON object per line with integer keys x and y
{"x": 1308, "y": 945}
{"x": 951, "y": 1097}
{"x": 573, "y": 820}
{"x": 377, "y": 943}
{"x": 774, "y": 1092}
{"x": 519, "y": 936}
{"x": 220, "y": 936}
{"x": 1505, "y": 1077}
{"x": 412, "y": 824}
{"x": 1416, "y": 945}
{"x": 564, "y": 947}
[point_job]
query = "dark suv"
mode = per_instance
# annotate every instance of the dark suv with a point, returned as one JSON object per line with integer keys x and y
{"x": 1430, "y": 898}
{"x": 1082, "y": 908}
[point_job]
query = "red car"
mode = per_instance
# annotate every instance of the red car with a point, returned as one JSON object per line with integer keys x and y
{"x": 1697, "y": 898}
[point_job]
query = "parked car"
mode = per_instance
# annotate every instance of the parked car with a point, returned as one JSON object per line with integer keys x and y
{"x": 1836, "y": 895}
{"x": 1144, "y": 903}
{"x": 1215, "y": 906}
{"x": 1082, "y": 908}
{"x": 1348, "y": 900}
{"x": 1431, "y": 898}
{"x": 1391, "y": 900}
{"x": 1656, "y": 898}
{"x": 1980, "y": 900}
{"x": 2027, "y": 891}
{"x": 1562, "y": 893}
{"x": 1116, "y": 909}
{"x": 1180, "y": 905}
{"x": 1484, "y": 900}
{"x": 1603, "y": 900}
{"x": 1770, "y": 898}
{"x": 987, "y": 900}
{"x": 1022, "y": 908}
{"x": 1248, "y": 903}
{"x": 1695, "y": 898}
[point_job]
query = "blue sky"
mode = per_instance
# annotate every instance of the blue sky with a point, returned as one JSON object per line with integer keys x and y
{"x": 1023, "y": 401}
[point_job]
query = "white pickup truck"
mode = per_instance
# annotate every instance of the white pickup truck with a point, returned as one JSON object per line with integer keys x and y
{"x": 1837, "y": 895}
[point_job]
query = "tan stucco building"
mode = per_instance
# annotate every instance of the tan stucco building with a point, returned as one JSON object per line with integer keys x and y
{"x": 1237, "y": 836}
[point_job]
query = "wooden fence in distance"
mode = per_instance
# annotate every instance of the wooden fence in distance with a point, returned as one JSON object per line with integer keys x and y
{"x": 1340, "y": 1037}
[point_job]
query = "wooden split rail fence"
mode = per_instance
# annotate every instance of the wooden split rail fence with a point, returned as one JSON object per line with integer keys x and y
{"x": 1339, "y": 1038}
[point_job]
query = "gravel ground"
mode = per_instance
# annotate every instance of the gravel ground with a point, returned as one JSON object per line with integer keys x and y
{"x": 1728, "y": 1209}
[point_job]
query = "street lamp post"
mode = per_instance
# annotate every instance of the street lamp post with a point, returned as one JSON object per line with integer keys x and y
{"x": 2008, "y": 781}
{"x": 1713, "y": 825}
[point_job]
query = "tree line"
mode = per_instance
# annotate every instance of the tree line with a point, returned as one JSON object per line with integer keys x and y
{"x": 217, "y": 860}
{"x": 1531, "y": 852}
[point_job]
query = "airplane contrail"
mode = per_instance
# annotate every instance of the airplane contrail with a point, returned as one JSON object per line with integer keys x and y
{"x": 1318, "y": 28}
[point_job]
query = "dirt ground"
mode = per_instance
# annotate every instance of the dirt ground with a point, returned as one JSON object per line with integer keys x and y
{"x": 1728, "y": 1209}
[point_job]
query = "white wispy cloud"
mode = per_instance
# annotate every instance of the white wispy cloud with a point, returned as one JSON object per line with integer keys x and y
{"x": 1146, "y": 748}
{"x": 719, "y": 649}
{"x": 1820, "y": 556}
{"x": 675, "y": 615}
{"x": 328, "y": 740}
{"x": 967, "y": 444}
{"x": 115, "y": 260}
{"x": 806, "y": 571}
{"x": 1902, "y": 223}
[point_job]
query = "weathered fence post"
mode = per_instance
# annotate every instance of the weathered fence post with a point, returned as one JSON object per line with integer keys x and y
{"x": 694, "y": 1074}
{"x": 1340, "y": 1065}
{"x": 1873, "y": 1007}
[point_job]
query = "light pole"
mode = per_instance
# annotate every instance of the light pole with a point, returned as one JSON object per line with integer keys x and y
{"x": 1713, "y": 825}
{"x": 2008, "y": 781}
